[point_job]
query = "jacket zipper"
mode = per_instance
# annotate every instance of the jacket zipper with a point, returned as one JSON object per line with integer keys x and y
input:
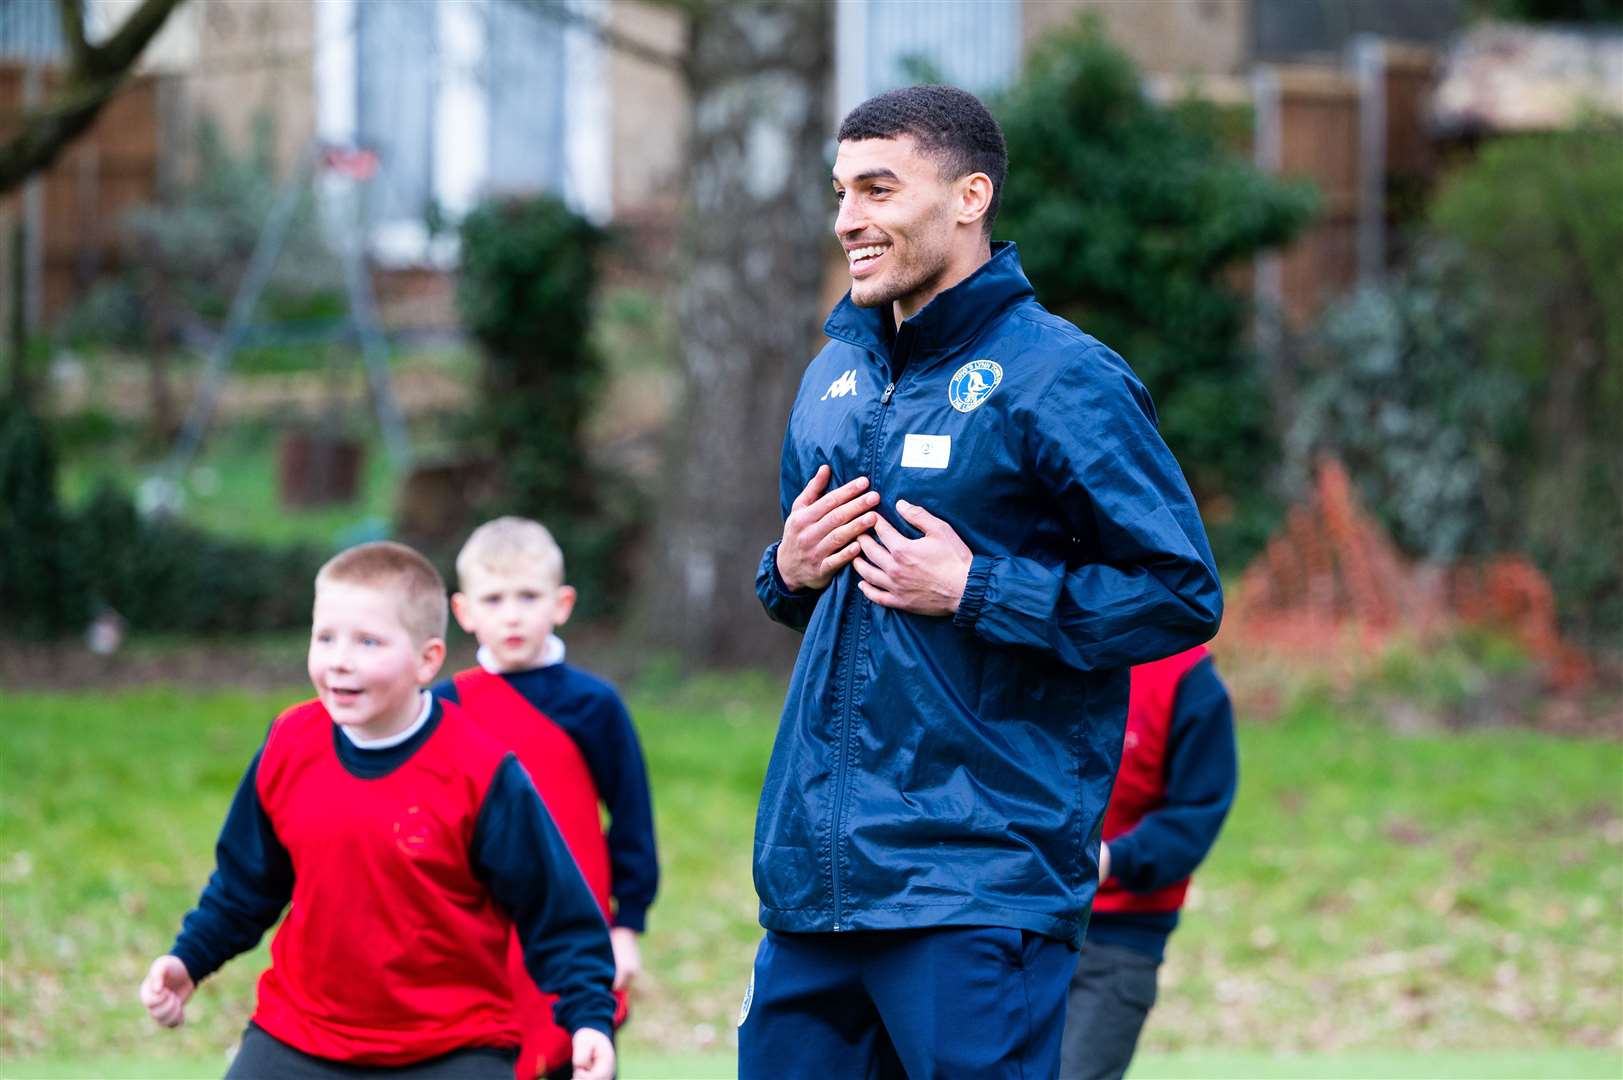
{"x": 858, "y": 632}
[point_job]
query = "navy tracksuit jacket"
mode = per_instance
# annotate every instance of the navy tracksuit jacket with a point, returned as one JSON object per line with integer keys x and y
{"x": 954, "y": 771}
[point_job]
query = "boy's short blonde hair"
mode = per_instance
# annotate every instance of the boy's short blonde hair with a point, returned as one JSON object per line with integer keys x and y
{"x": 385, "y": 565}
{"x": 508, "y": 541}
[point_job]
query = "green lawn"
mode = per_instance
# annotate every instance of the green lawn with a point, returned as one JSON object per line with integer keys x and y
{"x": 1223, "y": 1065}
{"x": 1429, "y": 905}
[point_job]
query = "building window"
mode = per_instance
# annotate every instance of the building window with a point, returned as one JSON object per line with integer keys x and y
{"x": 883, "y": 44}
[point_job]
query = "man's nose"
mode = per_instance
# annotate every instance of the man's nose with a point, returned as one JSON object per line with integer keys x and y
{"x": 850, "y": 218}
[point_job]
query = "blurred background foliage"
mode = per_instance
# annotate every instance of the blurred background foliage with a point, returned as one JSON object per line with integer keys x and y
{"x": 1131, "y": 216}
{"x": 61, "y": 567}
{"x": 526, "y": 292}
{"x": 188, "y": 252}
{"x": 1475, "y": 394}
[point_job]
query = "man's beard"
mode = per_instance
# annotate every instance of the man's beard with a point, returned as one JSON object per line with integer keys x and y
{"x": 921, "y": 273}
{"x": 908, "y": 281}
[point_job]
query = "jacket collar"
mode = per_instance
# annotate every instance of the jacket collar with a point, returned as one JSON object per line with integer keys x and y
{"x": 953, "y": 317}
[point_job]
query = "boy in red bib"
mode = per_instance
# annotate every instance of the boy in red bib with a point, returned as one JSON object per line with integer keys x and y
{"x": 411, "y": 846}
{"x": 1177, "y": 779}
{"x": 571, "y": 732}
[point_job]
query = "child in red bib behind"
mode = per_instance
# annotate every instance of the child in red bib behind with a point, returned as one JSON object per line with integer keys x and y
{"x": 570, "y": 730}
{"x": 1177, "y": 779}
{"x": 411, "y": 846}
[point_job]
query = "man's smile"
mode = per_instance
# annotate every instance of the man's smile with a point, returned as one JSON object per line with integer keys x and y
{"x": 863, "y": 259}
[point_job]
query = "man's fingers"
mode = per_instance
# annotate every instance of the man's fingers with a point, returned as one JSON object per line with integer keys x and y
{"x": 917, "y": 516}
{"x": 878, "y": 596}
{"x": 814, "y": 487}
{"x": 840, "y": 558}
{"x": 844, "y": 512}
{"x": 842, "y": 494}
{"x": 845, "y": 534}
{"x": 871, "y": 574}
{"x": 888, "y": 535}
{"x": 876, "y": 553}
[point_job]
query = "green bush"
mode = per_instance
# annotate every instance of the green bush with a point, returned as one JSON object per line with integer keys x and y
{"x": 1539, "y": 221}
{"x": 162, "y": 574}
{"x": 1394, "y": 385}
{"x": 58, "y": 569}
{"x": 1476, "y": 395}
{"x": 1128, "y": 213}
{"x": 42, "y": 590}
{"x": 525, "y": 293}
{"x": 189, "y": 253}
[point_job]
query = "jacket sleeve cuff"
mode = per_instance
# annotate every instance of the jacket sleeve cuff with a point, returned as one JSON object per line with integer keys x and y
{"x": 974, "y": 598}
{"x": 769, "y": 566}
{"x": 631, "y": 916}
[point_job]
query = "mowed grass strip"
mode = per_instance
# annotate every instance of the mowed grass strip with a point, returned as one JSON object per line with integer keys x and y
{"x": 1456, "y": 893}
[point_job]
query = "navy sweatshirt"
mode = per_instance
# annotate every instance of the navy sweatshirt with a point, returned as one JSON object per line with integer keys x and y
{"x": 591, "y": 712}
{"x": 1202, "y": 774}
{"x": 253, "y": 879}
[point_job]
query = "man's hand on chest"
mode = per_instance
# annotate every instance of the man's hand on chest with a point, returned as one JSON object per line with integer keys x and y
{"x": 924, "y": 576}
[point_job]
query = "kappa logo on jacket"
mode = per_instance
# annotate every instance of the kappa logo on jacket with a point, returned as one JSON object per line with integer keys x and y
{"x": 845, "y": 384}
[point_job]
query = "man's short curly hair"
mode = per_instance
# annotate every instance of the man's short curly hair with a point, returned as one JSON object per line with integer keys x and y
{"x": 949, "y": 124}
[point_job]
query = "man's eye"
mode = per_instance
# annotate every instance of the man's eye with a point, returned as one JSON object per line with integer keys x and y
{"x": 369, "y": 640}
{"x": 839, "y": 196}
{"x": 879, "y": 191}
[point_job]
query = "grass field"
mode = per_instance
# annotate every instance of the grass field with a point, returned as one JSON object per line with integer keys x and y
{"x": 1380, "y": 905}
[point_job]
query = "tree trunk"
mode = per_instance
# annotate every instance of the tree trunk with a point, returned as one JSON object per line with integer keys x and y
{"x": 756, "y": 237}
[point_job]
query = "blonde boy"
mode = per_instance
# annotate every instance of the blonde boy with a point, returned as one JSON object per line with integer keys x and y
{"x": 573, "y": 734}
{"x": 411, "y": 847}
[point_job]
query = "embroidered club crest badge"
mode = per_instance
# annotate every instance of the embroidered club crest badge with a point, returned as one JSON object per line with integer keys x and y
{"x": 973, "y": 383}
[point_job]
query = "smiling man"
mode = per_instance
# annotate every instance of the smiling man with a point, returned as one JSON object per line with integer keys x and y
{"x": 983, "y": 532}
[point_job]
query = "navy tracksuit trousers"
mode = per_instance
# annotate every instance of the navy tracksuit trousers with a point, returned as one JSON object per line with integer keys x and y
{"x": 938, "y": 1004}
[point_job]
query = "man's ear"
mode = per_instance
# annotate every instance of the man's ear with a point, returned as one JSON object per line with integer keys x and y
{"x": 974, "y": 197}
{"x": 459, "y": 608}
{"x": 565, "y": 604}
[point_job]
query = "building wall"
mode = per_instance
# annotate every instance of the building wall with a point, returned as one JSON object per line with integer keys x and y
{"x": 1164, "y": 37}
{"x": 254, "y": 57}
{"x": 648, "y": 109}
{"x": 73, "y": 209}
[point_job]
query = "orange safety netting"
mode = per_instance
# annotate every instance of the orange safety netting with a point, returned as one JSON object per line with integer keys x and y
{"x": 1332, "y": 580}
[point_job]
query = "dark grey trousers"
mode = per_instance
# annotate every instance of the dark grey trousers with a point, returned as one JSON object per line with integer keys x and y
{"x": 1111, "y": 994}
{"x": 262, "y": 1056}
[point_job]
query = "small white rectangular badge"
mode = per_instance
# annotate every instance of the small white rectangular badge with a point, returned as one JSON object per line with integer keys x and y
{"x": 926, "y": 451}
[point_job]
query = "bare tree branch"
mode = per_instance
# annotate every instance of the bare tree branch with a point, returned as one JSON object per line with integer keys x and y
{"x": 118, "y": 54}
{"x": 94, "y": 75}
{"x": 71, "y": 16}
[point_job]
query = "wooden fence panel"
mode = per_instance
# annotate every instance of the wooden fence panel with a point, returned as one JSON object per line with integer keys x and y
{"x": 86, "y": 192}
